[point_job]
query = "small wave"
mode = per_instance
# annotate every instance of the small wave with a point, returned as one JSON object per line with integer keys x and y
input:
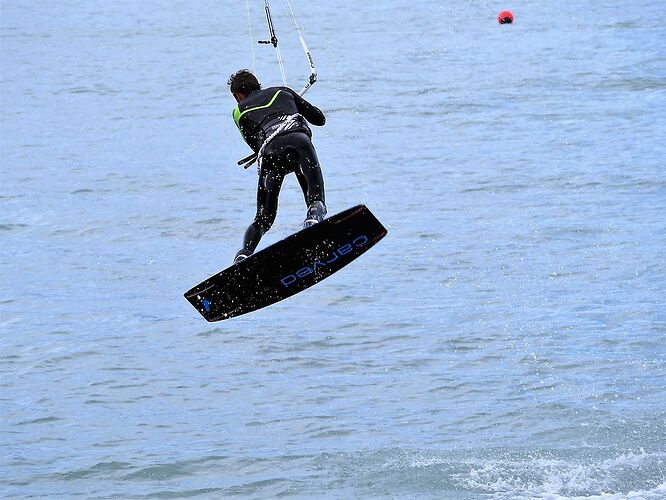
{"x": 546, "y": 475}
{"x": 12, "y": 227}
{"x": 633, "y": 84}
{"x": 623, "y": 25}
{"x": 44, "y": 420}
{"x": 328, "y": 432}
{"x": 101, "y": 90}
{"x": 212, "y": 221}
{"x": 500, "y": 474}
{"x": 206, "y": 492}
{"x": 161, "y": 472}
{"x": 99, "y": 468}
{"x": 657, "y": 493}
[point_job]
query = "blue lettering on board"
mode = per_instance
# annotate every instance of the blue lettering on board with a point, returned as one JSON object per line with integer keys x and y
{"x": 358, "y": 242}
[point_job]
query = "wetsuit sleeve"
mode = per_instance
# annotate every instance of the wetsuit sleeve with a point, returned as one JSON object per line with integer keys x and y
{"x": 249, "y": 138}
{"x": 311, "y": 113}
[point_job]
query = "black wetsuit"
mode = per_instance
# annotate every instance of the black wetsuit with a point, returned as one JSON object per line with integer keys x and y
{"x": 273, "y": 123}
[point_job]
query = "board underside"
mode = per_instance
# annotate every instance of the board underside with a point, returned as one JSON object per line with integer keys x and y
{"x": 288, "y": 266}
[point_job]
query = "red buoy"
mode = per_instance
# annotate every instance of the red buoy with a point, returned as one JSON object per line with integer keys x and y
{"x": 505, "y": 17}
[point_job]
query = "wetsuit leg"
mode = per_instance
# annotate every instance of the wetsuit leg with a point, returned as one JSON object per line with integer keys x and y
{"x": 291, "y": 152}
{"x": 308, "y": 172}
{"x": 268, "y": 191}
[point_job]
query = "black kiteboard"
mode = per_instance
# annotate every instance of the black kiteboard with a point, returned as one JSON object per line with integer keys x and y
{"x": 288, "y": 266}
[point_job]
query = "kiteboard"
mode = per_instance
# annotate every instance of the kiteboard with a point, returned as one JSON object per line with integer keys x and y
{"x": 288, "y": 266}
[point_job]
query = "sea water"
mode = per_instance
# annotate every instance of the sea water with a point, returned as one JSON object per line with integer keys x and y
{"x": 505, "y": 340}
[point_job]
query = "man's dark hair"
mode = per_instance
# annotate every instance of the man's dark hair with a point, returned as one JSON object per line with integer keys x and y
{"x": 243, "y": 81}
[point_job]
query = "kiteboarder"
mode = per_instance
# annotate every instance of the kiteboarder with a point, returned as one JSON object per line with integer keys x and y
{"x": 273, "y": 122}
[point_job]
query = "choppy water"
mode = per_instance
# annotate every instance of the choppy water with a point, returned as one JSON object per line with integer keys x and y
{"x": 506, "y": 340}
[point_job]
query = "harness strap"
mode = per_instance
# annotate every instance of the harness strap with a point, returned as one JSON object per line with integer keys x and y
{"x": 287, "y": 123}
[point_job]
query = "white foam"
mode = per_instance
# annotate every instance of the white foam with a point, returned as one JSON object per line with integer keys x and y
{"x": 657, "y": 493}
{"x": 556, "y": 478}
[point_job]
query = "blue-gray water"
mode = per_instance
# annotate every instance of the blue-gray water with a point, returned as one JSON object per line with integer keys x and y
{"x": 506, "y": 340}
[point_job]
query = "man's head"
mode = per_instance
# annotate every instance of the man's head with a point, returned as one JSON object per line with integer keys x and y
{"x": 242, "y": 84}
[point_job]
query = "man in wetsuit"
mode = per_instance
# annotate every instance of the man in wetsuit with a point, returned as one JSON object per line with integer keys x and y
{"x": 273, "y": 123}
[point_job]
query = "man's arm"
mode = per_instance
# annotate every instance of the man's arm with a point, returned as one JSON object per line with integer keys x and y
{"x": 311, "y": 113}
{"x": 252, "y": 141}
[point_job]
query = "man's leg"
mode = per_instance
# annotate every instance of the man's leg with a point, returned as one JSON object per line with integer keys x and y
{"x": 268, "y": 191}
{"x": 311, "y": 180}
